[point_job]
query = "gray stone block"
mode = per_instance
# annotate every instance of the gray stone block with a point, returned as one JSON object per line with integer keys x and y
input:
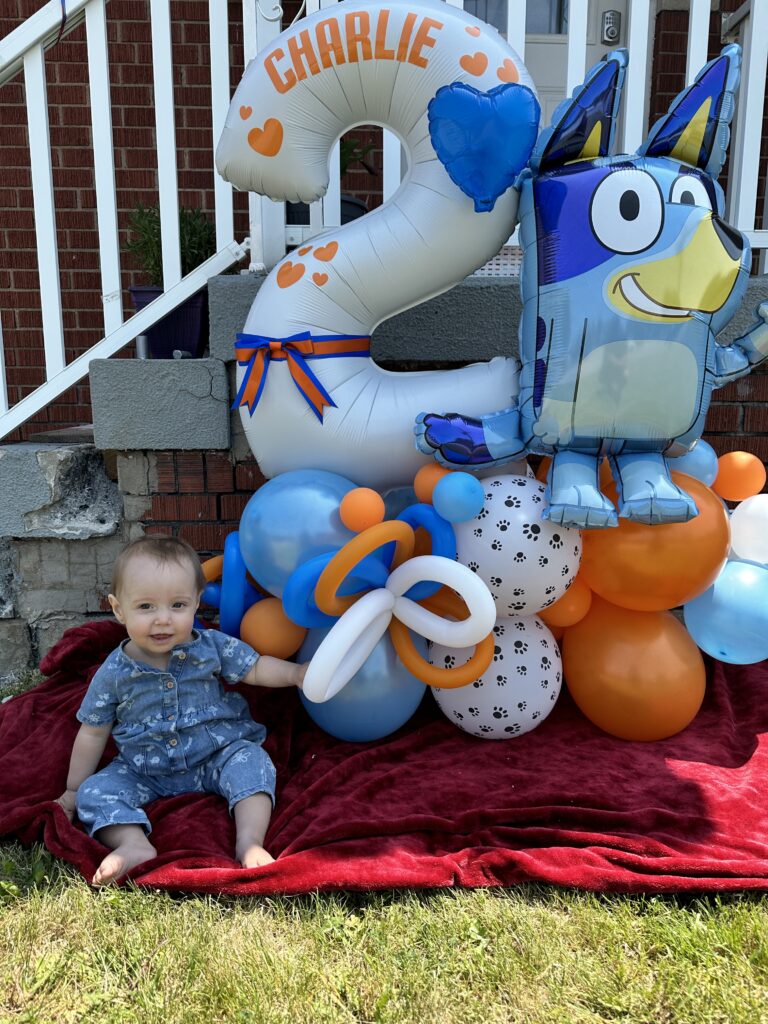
{"x": 133, "y": 473}
{"x": 49, "y": 630}
{"x": 160, "y": 404}
{"x": 15, "y": 647}
{"x": 474, "y": 321}
{"x": 56, "y": 491}
{"x": 9, "y": 581}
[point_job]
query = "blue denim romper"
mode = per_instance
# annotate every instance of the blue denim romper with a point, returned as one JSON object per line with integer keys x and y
{"x": 177, "y": 731}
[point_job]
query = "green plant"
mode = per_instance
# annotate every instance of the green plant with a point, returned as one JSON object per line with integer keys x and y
{"x": 197, "y": 240}
{"x": 352, "y": 151}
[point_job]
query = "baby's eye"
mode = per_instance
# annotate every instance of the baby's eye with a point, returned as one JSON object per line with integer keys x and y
{"x": 179, "y": 604}
{"x": 145, "y": 607}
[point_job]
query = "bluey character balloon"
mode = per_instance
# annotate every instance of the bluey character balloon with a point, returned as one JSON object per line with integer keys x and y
{"x": 629, "y": 273}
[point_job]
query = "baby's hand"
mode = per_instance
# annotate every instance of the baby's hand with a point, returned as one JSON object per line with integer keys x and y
{"x": 68, "y": 801}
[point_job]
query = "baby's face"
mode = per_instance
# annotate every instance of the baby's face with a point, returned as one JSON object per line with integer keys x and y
{"x": 156, "y": 604}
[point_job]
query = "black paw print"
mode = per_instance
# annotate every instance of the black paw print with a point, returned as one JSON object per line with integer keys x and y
{"x": 513, "y": 730}
{"x": 449, "y": 661}
{"x": 518, "y": 606}
{"x": 535, "y": 715}
{"x": 522, "y": 705}
{"x": 512, "y": 502}
{"x": 499, "y": 712}
{"x": 499, "y": 629}
{"x": 553, "y": 696}
{"x": 501, "y": 680}
{"x": 520, "y": 626}
{"x": 478, "y": 532}
{"x": 521, "y": 482}
{"x": 557, "y": 677}
{"x": 518, "y": 591}
{"x": 544, "y": 684}
{"x": 458, "y": 715}
{"x": 486, "y": 728}
{"x": 543, "y": 560}
{"x": 564, "y": 571}
{"x": 474, "y": 712}
{"x": 519, "y": 556}
{"x": 488, "y": 497}
{"x": 544, "y": 643}
{"x": 532, "y": 531}
{"x": 482, "y": 513}
{"x": 549, "y": 590}
{"x": 536, "y": 499}
{"x": 548, "y": 602}
{"x": 538, "y": 625}
{"x": 546, "y": 663}
{"x": 503, "y": 525}
{"x": 522, "y": 670}
{"x": 497, "y": 654}
{"x": 520, "y": 646}
{"x": 496, "y": 483}
{"x": 477, "y": 683}
{"x": 496, "y": 581}
{"x": 556, "y": 541}
{"x": 576, "y": 550}
{"x": 496, "y": 545}
{"x": 473, "y": 566}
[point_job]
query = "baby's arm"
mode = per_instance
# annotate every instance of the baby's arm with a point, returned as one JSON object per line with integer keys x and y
{"x": 275, "y": 673}
{"x": 86, "y": 753}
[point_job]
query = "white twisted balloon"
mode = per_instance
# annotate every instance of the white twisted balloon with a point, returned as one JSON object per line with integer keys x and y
{"x": 354, "y": 636}
{"x": 347, "y": 65}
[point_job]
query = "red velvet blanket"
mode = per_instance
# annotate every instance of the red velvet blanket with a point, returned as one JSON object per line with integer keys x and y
{"x": 431, "y": 806}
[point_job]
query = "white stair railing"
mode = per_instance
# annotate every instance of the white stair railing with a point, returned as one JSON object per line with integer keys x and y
{"x": 24, "y": 49}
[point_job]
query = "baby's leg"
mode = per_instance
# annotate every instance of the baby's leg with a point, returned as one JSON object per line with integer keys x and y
{"x": 245, "y": 776}
{"x": 251, "y": 820}
{"x": 109, "y": 804}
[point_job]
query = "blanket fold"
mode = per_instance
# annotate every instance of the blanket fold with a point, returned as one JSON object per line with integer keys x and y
{"x": 431, "y": 806}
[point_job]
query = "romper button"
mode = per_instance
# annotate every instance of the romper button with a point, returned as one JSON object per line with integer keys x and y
{"x": 173, "y": 742}
{"x": 170, "y": 718}
{"x": 181, "y": 655}
{"x": 169, "y": 684}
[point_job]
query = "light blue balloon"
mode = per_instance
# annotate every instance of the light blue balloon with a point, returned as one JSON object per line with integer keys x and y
{"x": 292, "y": 517}
{"x": 378, "y": 699}
{"x": 458, "y": 497}
{"x": 730, "y": 619}
{"x": 700, "y": 461}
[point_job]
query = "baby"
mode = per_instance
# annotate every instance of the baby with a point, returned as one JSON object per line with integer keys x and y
{"x": 177, "y": 729}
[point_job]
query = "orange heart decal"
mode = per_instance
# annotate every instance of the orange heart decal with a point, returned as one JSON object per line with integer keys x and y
{"x": 267, "y": 140}
{"x": 245, "y": 112}
{"x": 472, "y": 30}
{"x": 289, "y": 274}
{"x": 320, "y": 279}
{"x": 305, "y": 250}
{"x": 327, "y": 252}
{"x": 508, "y": 71}
{"x": 474, "y": 63}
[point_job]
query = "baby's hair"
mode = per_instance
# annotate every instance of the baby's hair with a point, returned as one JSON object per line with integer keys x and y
{"x": 163, "y": 549}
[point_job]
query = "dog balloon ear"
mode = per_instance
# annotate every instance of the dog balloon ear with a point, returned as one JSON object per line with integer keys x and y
{"x": 583, "y": 126}
{"x": 695, "y": 130}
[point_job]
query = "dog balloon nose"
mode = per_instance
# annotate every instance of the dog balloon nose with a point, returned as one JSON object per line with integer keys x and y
{"x": 733, "y": 241}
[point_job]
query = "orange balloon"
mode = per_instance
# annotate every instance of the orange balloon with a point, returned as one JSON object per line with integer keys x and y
{"x": 267, "y": 628}
{"x": 636, "y": 675}
{"x": 652, "y": 568}
{"x": 740, "y": 475}
{"x": 425, "y": 480}
{"x": 361, "y": 508}
{"x": 570, "y": 608}
{"x": 541, "y": 472}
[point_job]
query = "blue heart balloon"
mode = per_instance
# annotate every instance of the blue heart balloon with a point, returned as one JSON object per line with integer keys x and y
{"x": 483, "y": 139}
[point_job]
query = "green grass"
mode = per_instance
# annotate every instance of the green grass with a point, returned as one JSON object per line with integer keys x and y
{"x": 534, "y": 954}
{"x": 18, "y": 682}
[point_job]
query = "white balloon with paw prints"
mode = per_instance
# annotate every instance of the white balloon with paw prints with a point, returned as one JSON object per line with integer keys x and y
{"x": 526, "y": 562}
{"x": 518, "y": 689}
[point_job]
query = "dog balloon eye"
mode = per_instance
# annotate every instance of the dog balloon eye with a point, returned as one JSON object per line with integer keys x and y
{"x": 627, "y": 212}
{"x": 689, "y": 190}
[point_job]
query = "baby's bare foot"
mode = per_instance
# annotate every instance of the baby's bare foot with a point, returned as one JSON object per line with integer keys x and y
{"x": 121, "y": 860}
{"x": 252, "y": 855}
